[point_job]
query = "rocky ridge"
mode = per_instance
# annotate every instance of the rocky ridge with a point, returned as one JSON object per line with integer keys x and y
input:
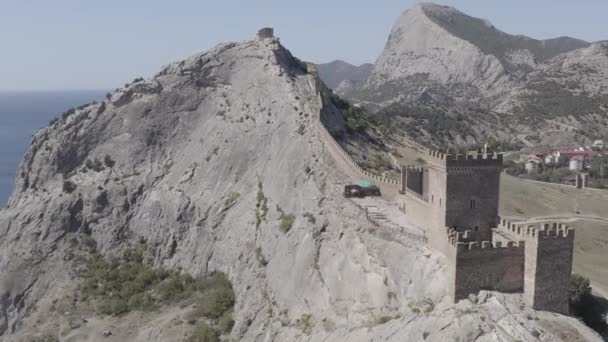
{"x": 203, "y": 161}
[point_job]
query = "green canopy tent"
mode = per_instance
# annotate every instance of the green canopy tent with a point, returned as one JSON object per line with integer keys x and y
{"x": 366, "y": 184}
{"x": 361, "y": 188}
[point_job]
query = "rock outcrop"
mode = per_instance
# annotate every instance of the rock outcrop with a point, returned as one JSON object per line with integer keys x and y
{"x": 204, "y": 161}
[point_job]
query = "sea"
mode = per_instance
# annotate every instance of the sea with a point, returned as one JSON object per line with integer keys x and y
{"x": 21, "y": 115}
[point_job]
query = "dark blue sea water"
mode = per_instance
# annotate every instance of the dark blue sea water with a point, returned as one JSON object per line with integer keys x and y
{"x": 21, "y": 115}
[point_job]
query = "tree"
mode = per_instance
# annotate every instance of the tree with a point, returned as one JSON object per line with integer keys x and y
{"x": 591, "y": 309}
{"x": 580, "y": 289}
{"x": 598, "y": 167}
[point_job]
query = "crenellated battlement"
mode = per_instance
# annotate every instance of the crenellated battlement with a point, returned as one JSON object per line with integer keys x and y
{"x": 468, "y": 246}
{"x": 463, "y": 236}
{"x": 552, "y": 230}
{"x": 466, "y": 159}
{"x": 413, "y": 168}
{"x": 548, "y": 262}
{"x": 469, "y": 240}
{"x": 474, "y": 159}
{"x": 436, "y": 155}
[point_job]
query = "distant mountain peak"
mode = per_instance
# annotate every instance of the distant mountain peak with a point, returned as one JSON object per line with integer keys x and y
{"x": 337, "y": 71}
{"x": 466, "y": 62}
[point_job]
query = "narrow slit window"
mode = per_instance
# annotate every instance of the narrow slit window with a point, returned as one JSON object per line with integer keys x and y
{"x": 473, "y": 204}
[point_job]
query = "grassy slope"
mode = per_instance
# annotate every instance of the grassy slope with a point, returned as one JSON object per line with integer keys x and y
{"x": 529, "y": 199}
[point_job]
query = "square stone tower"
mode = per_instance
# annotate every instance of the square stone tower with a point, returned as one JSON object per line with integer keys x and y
{"x": 472, "y": 192}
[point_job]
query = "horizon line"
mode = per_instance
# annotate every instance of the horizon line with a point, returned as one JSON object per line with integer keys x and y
{"x": 15, "y": 91}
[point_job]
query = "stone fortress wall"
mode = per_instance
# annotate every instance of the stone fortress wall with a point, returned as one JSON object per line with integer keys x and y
{"x": 548, "y": 262}
{"x": 485, "y": 253}
{"x": 455, "y": 197}
{"x": 388, "y": 187}
{"x": 487, "y": 265}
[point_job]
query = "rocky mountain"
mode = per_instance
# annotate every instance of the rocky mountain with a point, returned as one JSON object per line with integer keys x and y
{"x": 453, "y": 78}
{"x": 338, "y": 71}
{"x": 220, "y": 162}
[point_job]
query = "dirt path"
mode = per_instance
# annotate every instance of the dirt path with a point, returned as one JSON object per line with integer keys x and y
{"x": 561, "y": 218}
{"x": 524, "y": 136}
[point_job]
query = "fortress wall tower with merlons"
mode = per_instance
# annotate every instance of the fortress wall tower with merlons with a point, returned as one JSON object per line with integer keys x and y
{"x": 458, "y": 191}
{"x": 455, "y": 198}
{"x": 457, "y": 201}
{"x": 548, "y": 262}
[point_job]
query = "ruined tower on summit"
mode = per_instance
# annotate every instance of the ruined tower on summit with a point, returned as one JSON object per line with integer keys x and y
{"x": 265, "y": 32}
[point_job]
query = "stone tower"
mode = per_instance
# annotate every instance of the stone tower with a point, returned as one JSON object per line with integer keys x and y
{"x": 548, "y": 263}
{"x": 472, "y": 192}
{"x": 265, "y": 32}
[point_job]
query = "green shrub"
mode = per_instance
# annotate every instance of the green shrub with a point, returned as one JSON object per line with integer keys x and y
{"x": 131, "y": 283}
{"x": 203, "y": 332}
{"x": 287, "y": 222}
{"x": 384, "y": 319}
{"x": 231, "y": 199}
{"x": 261, "y": 207}
{"x": 226, "y": 322}
{"x": 215, "y": 302}
{"x": 305, "y": 323}
{"x": 579, "y": 290}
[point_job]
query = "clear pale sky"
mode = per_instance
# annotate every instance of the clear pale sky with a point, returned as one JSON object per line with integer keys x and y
{"x": 101, "y": 44}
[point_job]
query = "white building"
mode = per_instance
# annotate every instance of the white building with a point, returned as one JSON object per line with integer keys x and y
{"x": 576, "y": 163}
{"x": 598, "y": 144}
{"x": 532, "y": 164}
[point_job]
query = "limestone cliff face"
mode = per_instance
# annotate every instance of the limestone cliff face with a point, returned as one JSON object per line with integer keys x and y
{"x": 441, "y": 65}
{"x": 417, "y": 45}
{"x": 158, "y": 160}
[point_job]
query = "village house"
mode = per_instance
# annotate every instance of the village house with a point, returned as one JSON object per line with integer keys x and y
{"x": 576, "y": 163}
{"x": 533, "y": 164}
